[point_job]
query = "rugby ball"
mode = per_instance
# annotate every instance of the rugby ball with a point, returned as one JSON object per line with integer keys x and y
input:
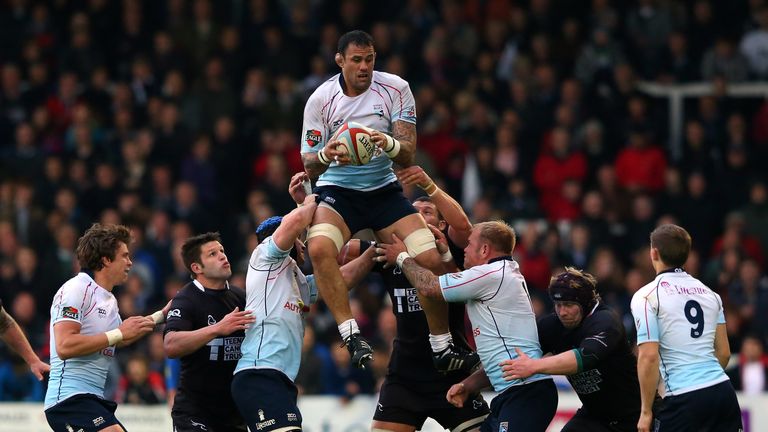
{"x": 357, "y": 142}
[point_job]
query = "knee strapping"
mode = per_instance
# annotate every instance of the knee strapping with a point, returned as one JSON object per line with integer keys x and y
{"x": 329, "y": 231}
{"x": 420, "y": 241}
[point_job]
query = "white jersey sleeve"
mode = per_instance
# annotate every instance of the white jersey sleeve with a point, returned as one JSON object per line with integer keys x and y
{"x": 645, "y": 309}
{"x": 314, "y": 129}
{"x": 476, "y": 283}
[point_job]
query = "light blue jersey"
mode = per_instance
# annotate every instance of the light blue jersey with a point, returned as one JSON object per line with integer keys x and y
{"x": 500, "y": 310}
{"x": 279, "y": 295}
{"x": 387, "y": 100}
{"x": 681, "y": 314}
{"x": 83, "y": 301}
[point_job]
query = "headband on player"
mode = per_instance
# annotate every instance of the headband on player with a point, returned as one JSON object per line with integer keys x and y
{"x": 570, "y": 288}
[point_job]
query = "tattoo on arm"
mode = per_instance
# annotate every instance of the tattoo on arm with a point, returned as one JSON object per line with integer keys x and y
{"x": 405, "y": 133}
{"x": 424, "y": 280}
{"x": 6, "y": 321}
{"x": 312, "y": 165}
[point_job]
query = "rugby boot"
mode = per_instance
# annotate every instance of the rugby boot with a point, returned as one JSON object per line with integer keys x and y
{"x": 454, "y": 358}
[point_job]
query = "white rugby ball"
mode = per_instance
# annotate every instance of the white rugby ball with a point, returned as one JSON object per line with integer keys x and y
{"x": 357, "y": 142}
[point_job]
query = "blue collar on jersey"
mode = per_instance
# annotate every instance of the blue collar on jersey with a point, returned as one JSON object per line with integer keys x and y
{"x": 503, "y": 257}
{"x": 671, "y": 270}
{"x": 342, "y": 83}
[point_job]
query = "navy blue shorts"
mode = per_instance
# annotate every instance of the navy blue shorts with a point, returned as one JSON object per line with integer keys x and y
{"x": 583, "y": 422}
{"x": 693, "y": 411}
{"x": 523, "y": 408}
{"x": 376, "y": 209}
{"x": 405, "y": 404}
{"x": 266, "y": 399}
{"x": 85, "y": 412}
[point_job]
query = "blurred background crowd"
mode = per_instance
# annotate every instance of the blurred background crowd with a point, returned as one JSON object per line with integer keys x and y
{"x": 177, "y": 117}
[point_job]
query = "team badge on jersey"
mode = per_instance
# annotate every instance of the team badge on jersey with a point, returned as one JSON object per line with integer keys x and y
{"x": 313, "y": 137}
{"x": 70, "y": 312}
{"x": 378, "y": 109}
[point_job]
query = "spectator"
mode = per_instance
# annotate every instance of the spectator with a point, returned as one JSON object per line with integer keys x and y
{"x": 750, "y": 376}
{"x": 140, "y": 385}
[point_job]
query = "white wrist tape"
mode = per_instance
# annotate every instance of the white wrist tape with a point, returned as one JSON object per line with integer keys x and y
{"x": 446, "y": 257}
{"x": 322, "y": 158}
{"x": 114, "y": 337}
{"x": 158, "y": 317}
{"x": 401, "y": 258}
{"x": 392, "y": 148}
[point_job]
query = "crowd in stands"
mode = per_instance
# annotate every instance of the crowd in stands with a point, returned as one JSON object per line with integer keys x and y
{"x": 177, "y": 117}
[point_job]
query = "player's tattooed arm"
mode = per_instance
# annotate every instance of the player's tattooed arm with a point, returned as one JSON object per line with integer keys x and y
{"x": 405, "y": 133}
{"x": 313, "y": 166}
{"x": 424, "y": 280}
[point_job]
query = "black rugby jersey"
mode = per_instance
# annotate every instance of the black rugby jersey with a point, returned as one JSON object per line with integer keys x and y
{"x": 611, "y": 390}
{"x": 411, "y": 359}
{"x": 206, "y": 374}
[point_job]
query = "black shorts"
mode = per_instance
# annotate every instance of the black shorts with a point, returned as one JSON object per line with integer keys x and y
{"x": 583, "y": 422}
{"x": 188, "y": 422}
{"x": 85, "y": 412}
{"x": 523, "y": 408}
{"x": 267, "y": 400}
{"x": 693, "y": 411}
{"x": 376, "y": 209}
{"x": 405, "y": 404}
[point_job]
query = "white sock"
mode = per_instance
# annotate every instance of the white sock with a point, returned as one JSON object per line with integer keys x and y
{"x": 348, "y": 328}
{"x": 440, "y": 342}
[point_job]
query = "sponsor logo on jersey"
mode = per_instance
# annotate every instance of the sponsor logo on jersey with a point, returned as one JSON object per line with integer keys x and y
{"x": 667, "y": 288}
{"x": 313, "y": 137}
{"x": 407, "y": 300}
{"x": 69, "y": 312}
{"x": 300, "y": 308}
{"x": 174, "y": 313}
{"x": 98, "y": 421}
{"x": 211, "y": 320}
{"x": 102, "y": 312}
{"x": 292, "y": 417}
{"x": 586, "y": 382}
{"x": 477, "y": 404}
{"x": 330, "y": 200}
{"x": 336, "y": 124}
{"x": 226, "y": 348}
{"x": 378, "y": 109}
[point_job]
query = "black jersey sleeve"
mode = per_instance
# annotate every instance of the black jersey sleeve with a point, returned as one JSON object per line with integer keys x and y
{"x": 602, "y": 334}
{"x": 549, "y": 332}
{"x": 180, "y": 315}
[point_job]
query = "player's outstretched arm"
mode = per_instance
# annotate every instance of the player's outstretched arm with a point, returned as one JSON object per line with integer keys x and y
{"x": 71, "y": 343}
{"x": 180, "y": 343}
{"x": 459, "y": 226}
{"x": 11, "y": 333}
{"x": 648, "y": 375}
{"x": 354, "y": 271}
{"x": 294, "y": 223}
{"x": 522, "y": 366}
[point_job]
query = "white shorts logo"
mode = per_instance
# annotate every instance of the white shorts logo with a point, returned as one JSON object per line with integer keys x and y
{"x": 98, "y": 421}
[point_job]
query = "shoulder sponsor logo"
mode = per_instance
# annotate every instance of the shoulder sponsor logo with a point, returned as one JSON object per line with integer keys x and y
{"x": 70, "y": 312}
{"x": 211, "y": 320}
{"x": 102, "y": 312}
{"x": 313, "y": 137}
{"x": 174, "y": 313}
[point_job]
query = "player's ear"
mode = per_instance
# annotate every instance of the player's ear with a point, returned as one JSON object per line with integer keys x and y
{"x": 339, "y": 59}
{"x": 195, "y": 267}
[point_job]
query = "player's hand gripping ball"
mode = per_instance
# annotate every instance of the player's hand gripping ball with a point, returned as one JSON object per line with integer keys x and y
{"x": 356, "y": 140}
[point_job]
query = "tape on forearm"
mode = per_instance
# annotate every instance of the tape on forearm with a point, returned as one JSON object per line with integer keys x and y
{"x": 446, "y": 257}
{"x": 158, "y": 317}
{"x": 114, "y": 337}
{"x": 401, "y": 258}
{"x": 392, "y": 148}
{"x": 322, "y": 158}
{"x": 430, "y": 189}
